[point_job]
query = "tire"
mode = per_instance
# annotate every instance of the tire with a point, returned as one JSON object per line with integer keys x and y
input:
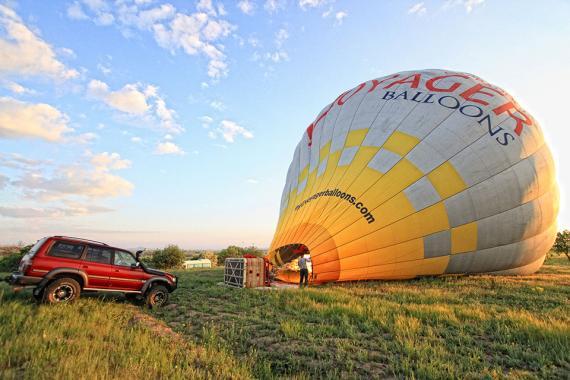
{"x": 62, "y": 290}
{"x": 156, "y": 297}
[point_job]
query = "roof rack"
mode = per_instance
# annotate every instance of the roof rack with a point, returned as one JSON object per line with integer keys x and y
{"x": 81, "y": 239}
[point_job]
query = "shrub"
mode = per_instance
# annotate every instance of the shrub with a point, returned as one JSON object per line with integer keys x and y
{"x": 235, "y": 251}
{"x": 169, "y": 257}
{"x": 562, "y": 243}
{"x": 210, "y": 255}
{"x": 9, "y": 263}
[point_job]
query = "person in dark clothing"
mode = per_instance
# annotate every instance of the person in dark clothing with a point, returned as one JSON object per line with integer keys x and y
{"x": 304, "y": 278}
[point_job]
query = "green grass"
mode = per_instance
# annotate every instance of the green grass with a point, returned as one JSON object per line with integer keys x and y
{"x": 98, "y": 338}
{"x": 449, "y": 327}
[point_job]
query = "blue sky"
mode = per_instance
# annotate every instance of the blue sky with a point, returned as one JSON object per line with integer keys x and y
{"x": 143, "y": 123}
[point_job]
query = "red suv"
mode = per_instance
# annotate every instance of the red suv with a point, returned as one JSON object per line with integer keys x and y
{"x": 62, "y": 267}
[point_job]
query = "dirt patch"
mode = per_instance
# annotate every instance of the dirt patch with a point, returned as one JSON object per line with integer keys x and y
{"x": 157, "y": 327}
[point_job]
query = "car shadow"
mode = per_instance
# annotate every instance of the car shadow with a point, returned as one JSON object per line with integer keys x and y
{"x": 25, "y": 296}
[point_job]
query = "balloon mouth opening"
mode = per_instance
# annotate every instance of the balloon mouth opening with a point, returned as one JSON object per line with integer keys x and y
{"x": 285, "y": 264}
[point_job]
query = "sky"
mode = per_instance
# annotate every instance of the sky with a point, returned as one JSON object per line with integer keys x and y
{"x": 146, "y": 123}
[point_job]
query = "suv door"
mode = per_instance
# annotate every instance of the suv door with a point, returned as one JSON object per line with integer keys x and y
{"x": 126, "y": 274}
{"x": 97, "y": 265}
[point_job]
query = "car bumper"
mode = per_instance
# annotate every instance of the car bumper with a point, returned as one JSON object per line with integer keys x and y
{"x": 18, "y": 279}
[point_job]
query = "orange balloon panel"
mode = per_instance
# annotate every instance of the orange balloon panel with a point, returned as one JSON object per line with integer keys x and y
{"x": 419, "y": 173}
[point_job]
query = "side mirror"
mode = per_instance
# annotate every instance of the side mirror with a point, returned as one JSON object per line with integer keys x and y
{"x": 138, "y": 254}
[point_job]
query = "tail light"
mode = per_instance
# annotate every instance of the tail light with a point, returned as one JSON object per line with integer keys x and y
{"x": 24, "y": 266}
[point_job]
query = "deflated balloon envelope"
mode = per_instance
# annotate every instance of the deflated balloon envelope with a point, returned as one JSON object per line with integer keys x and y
{"x": 419, "y": 173}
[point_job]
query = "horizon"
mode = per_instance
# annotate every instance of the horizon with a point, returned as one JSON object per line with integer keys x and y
{"x": 146, "y": 123}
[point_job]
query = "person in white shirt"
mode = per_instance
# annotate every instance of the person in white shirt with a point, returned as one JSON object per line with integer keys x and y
{"x": 304, "y": 278}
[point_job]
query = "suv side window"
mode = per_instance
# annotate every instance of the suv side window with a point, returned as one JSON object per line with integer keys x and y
{"x": 99, "y": 255}
{"x": 124, "y": 259}
{"x": 66, "y": 250}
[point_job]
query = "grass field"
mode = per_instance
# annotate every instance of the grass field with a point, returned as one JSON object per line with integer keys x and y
{"x": 450, "y": 327}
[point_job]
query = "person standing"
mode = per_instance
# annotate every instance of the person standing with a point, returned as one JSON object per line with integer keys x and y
{"x": 304, "y": 275}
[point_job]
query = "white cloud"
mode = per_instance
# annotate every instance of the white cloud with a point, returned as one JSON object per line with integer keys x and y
{"x": 109, "y": 161}
{"x": 217, "y": 105}
{"x": 136, "y": 139}
{"x": 206, "y": 6}
{"x": 280, "y": 37}
{"x": 104, "y": 69}
{"x": 469, "y": 5}
{"x": 168, "y": 147}
{"x": 277, "y": 56}
{"x": 17, "y": 88}
{"x": 327, "y": 13}
{"x": 273, "y": 6}
{"x": 246, "y": 6}
{"x": 137, "y": 100}
{"x": 340, "y": 16}
{"x": 105, "y": 19}
{"x": 193, "y": 33}
{"x": 206, "y": 121}
{"x": 67, "y": 182}
{"x": 304, "y": 4}
{"x": 252, "y": 180}
{"x": 18, "y": 161}
{"x": 28, "y": 120}
{"x": 418, "y": 9}
{"x": 229, "y": 130}
{"x": 69, "y": 53}
{"x": 22, "y": 52}
{"x": 3, "y": 181}
{"x": 128, "y": 99}
{"x": 75, "y": 12}
{"x": 84, "y": 138}
{"x": 51, "y": 212}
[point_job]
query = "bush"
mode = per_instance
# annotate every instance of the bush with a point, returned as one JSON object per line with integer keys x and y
{"x": 562, "y": 243}
{"x": 210, "y": 255}
{"x": 9, "y": 263}
{"x": 169, "y": 257}
{"x": 235, "y": 251}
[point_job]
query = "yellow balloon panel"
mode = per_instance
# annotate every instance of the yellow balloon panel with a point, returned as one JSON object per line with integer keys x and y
{"x": 419, "y": 173}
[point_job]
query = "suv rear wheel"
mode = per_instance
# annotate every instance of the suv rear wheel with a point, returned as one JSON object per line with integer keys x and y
{"x": 157, "y": 296}
{"x": 62, "y": 290}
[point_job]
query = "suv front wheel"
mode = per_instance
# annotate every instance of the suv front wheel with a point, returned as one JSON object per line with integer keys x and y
{"x": 62, "y": 290}
{"x": 157, "y": 296}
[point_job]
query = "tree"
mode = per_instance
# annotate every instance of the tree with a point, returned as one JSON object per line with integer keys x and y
{"x": 235, "y": 251}
{"x": 169, "y": 257}
{"x": 210, "y": 255}
{"x": 562, "y": 243}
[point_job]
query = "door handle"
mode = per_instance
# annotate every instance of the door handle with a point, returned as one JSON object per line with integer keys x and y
{"x": 84, "y": 266}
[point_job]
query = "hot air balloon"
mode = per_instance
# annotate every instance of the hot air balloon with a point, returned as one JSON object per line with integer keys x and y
{"x": 418, "y": 173}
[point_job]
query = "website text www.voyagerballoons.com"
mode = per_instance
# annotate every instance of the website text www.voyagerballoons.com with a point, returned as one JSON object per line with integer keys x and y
{"x": 344, "y": 196}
